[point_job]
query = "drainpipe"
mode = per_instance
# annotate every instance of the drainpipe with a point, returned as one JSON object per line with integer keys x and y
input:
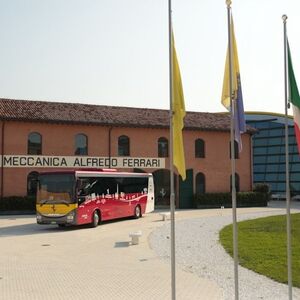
{"x": 2, "y": 159}
{"x": 251, "y": 163}
{"x": 109, "y": 144}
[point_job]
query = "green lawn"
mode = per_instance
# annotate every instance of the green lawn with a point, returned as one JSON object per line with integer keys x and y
{"x": 262, "y": 246}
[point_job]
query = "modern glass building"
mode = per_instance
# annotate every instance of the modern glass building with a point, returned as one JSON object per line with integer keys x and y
{"x": 269, "y": 152}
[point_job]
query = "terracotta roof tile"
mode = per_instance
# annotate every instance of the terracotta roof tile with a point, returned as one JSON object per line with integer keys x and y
{"x": 56, "y": 112}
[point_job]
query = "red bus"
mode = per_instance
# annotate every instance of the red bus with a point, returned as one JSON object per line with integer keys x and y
{"x": 89, "y": 197}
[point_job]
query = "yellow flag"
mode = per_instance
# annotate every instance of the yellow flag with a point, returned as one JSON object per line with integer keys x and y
{"x": 239, "y": 115}
{"x": 178, "y": 108}
{"x": 235, "y": 71}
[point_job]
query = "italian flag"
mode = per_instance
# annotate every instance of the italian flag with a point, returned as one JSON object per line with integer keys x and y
{"x": 294, "y": 97}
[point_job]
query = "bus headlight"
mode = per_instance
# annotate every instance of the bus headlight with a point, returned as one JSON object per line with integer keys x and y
{"x": 70, "y": 217}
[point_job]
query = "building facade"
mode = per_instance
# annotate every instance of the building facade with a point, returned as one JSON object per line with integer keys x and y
{"x": 269, "y": 152}
{"x": 38, "y": 136}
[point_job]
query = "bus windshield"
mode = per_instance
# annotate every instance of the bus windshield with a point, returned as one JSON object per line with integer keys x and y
{"x": 56, "y": 188}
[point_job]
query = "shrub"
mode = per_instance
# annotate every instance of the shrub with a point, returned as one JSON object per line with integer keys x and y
{"x": 217, "y": 200}
{"x": 261, "y": 188}
{"x": 16, "y": 203}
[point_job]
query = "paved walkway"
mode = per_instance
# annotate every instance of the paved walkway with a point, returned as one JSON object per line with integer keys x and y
{"x": 46, "y": 262}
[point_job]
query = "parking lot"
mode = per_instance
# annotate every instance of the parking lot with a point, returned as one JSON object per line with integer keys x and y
{"x": 47, "y": 262}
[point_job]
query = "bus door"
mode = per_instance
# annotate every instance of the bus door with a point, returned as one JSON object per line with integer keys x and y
{"x": 150, "y": 196}
{"x": 84, "y": 198}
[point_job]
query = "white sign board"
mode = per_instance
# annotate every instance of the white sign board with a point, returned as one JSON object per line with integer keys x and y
{"x": 41, "y": 161}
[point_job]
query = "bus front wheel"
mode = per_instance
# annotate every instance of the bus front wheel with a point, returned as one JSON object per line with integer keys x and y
{"x": 137, "y": 212}
{"x": 95, "y": 219}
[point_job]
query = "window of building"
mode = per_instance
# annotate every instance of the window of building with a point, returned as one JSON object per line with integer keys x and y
{"x": 276, "y": 132}
{"x": 281, "y": 187}
{"x": 260, "y": 177}
{"x": 237, "y": 182}
{"x": 273, "y": 150}
{"x": 273, "y": 159}
{"x": 260, "y": 142}
{"x": 281, "y": 167}
{"x": 123, "y": 145}
{"x": 274, "y": 141}
{"x": 295, "y": 167}
{"x": 269, "y": 153}
{"x": 295, "y": 186}
{"x": 291, "y": 130}
{"x": 200, "y": 183}
{"x": 163, "y": 147}
{"x": 236, "y": 149}
{"x": 260, "y": 151}
{"x": 199, "y": 148}
{"x": 32, "y": 183}
{"x": 272, "y": 168}
{"x": 260, "y": 159}
{"x": 259, "y": 168}
{"x": 34, "y": 143}
{"x": 81, "y": 144}
{"x": 281, "y": 177}
{"x": 271, "y": 176}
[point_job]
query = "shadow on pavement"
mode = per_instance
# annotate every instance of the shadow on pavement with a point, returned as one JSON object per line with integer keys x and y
{"x": 34, "y": 228}
{"x": 121, "y": 244}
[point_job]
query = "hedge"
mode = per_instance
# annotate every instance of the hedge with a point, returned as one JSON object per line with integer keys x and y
{"x": 16, "y": 203}
{"x": 261, "y": 188}
{"x": 244, "y": 199}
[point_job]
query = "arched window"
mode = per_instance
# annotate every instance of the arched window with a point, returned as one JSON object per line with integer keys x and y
{"x": 200, "y": 183}
{"x": 236, "y": 150}
{"x": 32, "y": 183}
{"x": 199, "y": 148}
{"x": 163, "y": 147}
{"x": 34, "y": 143}
{"x": 81, "y": 144}
{"x": 237, "y": 182}
{"x": 123, "y": 145}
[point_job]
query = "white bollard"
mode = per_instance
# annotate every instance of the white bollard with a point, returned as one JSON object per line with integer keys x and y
{"x": 135, "y": 237}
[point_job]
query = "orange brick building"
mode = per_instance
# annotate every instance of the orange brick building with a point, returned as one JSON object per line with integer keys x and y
{"x": 37, "y": 136}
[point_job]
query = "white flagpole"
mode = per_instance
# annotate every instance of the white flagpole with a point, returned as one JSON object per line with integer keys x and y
{"x": 287, "y": 175}
{"x": 232, "y": 158}
{"x": 172, "y": 194}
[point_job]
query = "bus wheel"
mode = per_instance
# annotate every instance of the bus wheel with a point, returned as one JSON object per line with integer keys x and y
{"x": 137, "y": 212}
{"x": 96, "y": 219}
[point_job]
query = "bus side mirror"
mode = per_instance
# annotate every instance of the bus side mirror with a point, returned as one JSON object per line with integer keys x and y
{"x": 81, "y": 200}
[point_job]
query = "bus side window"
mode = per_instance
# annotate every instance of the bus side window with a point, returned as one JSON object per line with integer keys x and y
{"x": 96, "y": 188}
{"x": 111, "y": 185}
{"x": 120, "y": 186}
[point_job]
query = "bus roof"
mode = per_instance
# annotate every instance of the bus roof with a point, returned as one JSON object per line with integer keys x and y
{"x": 97, "y": 173}
{"x": 110, "y": 174}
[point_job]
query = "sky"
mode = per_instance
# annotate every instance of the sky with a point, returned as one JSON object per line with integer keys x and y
{"x": 115, "y": 52}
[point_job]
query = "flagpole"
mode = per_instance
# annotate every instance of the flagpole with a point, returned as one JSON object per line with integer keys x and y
{"x": 232, "y": 157}
{"x": 172, "y": 194}
{"x": 287, "y": 175}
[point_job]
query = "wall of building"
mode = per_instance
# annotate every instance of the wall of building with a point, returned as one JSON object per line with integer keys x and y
{"x": 59, "y": 139}
{"x": 216, "y": 165}
{"x": 269, "y": 152}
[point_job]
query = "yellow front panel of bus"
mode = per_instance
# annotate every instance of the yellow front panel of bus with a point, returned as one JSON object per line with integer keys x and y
{"x": 55, "y": 209}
